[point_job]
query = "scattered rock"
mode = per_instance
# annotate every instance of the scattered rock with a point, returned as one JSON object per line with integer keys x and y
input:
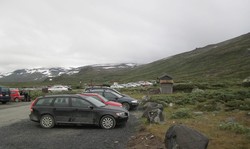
{"x": 132, "y": 137}
{"x": 145, "y": 98}
{"x": 198, "y": 113}
{"x": 197, "y": 90}
{"x": 246, "y": 82}
{"x": 230, "y": 120}
{"x": 151, "y": 137}
{"x": 140, "y": 141}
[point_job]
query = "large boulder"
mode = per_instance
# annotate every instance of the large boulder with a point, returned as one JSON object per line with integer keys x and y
{"x": 153, "y": 112}
{"x": 183, "y": 137}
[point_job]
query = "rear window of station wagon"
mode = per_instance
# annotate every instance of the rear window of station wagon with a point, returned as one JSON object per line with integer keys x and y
{"x": 61, "y": 102}
{"x": 44, "y": 102}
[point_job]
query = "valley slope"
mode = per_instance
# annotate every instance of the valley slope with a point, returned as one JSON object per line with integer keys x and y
{"x": 228, "y": 60}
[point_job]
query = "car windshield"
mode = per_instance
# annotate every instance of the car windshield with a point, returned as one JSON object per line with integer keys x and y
{"x": 116, "y": 91}
{"x": 117, "y": 95}
{"x": 94, "y": 101}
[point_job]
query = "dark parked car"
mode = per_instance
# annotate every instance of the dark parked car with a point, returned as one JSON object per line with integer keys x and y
{"x": 127, "y": 102}
{"x": 4, "y": 94}
{"x": 75, "y": 109}
{"x": 90, "y": 89}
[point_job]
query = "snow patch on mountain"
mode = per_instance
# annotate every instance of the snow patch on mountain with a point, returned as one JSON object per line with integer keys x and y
{"x": 39, "y": 74}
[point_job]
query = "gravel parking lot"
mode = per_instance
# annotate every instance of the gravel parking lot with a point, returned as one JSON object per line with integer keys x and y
{"x": 21, "y": 133}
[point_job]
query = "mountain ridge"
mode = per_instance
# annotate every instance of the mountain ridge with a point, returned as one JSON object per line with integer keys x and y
{"x": 227, "y": 60}
{"x": 41, "y": 74}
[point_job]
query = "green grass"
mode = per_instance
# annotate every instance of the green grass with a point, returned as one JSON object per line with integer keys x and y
{"x": 217, "y": 122}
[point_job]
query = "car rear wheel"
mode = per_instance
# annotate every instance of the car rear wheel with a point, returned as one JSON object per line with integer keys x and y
{"x": 107, "y": 122}
{"x": 47, "y": 121}
{"x": 126, "y": 106}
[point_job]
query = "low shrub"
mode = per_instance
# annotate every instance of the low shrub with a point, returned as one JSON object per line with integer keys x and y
{"x": 180, "y": 99}
{"x": 235, "y": 127}
{"x": 183, "y": 87}
{"x": 181, "y": 113}
{"x": 242, "y": 94}
{"x": 209, "y": 106}
{"x": 218, "y": 85}
{"x": 238, "y": 104}
{"x": 138, "y": 90}
{"x": 34, "y": 94}
{"x": 224, "y": 96}
{"x": 186, "y": 101}
{"x": 165, "y": 98}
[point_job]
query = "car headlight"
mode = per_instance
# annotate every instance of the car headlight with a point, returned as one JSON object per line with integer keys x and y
{"x": 121, "y": 114}
{"x": 134, "y": 101}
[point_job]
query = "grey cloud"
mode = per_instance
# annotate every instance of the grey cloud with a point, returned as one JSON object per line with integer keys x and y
{"x": 45, "y": 33}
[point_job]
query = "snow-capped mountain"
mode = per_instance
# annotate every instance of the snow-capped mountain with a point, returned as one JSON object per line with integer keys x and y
{"x": 115, "y": 66}
{"x": 35, "y": 74}
{"x": 40, "y": 74}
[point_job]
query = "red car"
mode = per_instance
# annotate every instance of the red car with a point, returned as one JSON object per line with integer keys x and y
{"x": 15, "y": 95}
{"x": 102, "y": 99}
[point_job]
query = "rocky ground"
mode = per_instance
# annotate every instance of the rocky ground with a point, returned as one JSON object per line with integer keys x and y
{"x": 144, "y": 139}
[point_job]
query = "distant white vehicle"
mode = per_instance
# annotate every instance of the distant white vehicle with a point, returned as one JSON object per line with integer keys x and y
{"x": 58, "y": 88}
{"x": 145, "y": 83}
{"x": 117, "y": 86}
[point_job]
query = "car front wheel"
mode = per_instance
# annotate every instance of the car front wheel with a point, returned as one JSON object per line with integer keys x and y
{"x": 47, "y": 121}
{"x": 126, "y": 106}
{"x": 107, "y": 122}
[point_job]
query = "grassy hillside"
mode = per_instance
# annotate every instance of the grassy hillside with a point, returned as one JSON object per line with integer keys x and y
{"x": 223, "y": 61}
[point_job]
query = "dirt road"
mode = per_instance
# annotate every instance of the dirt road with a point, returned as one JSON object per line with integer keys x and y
{"x": 13, "y": 112}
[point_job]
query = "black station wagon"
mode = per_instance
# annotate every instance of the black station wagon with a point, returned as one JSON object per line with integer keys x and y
{"x": 75, "y": 109}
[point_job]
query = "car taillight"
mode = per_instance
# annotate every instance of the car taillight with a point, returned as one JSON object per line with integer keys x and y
{"x": 32, "y": 105}
{"x": 1, "y": 95}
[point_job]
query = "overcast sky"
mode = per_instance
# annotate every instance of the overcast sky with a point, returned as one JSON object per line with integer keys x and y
{"x": 73, "y": 33}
